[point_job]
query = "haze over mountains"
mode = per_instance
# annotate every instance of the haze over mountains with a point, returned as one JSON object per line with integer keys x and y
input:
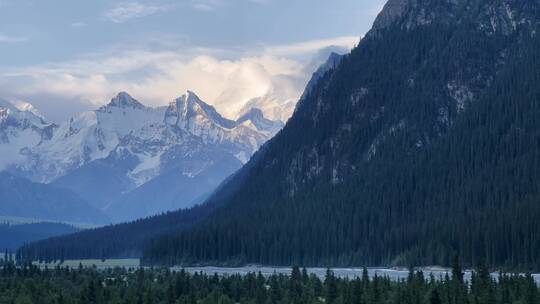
{"x": 124, "y": 160}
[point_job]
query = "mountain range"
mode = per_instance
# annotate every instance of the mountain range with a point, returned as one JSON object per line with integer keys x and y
{"x": 420, "y": 145}
{"x": 125, "y": 160}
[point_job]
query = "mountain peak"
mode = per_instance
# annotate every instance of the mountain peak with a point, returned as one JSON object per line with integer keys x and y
{"x": 491, "y": 17}
{"x": 190, "y": 99}
{"x": 252, "y": 113}
{"x": 255, "y": 117}
{"x": 334, "y": 57}
{"x": 189, "y": 105}
{"x": 123, "y": 100}
{"x": 190, "y": 95}
{"x": 333, "y": 61}
{"x": 21, "y": 112}
{"x": 28, "y": 107}
{"x": 4, "y": 104}
{"x": 392, "y": 11}
{"x": 412, "y": 13}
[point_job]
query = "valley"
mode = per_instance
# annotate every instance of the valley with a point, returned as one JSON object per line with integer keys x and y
{"x": 413, "y": 141}
{"x": 402, "y": 153}
{"x": 394, "y": 274}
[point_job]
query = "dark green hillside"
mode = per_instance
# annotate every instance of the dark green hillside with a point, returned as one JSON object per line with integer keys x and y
{"x": 14, "y": 236}
{"x": 384, "y": 163}
{"x": 422, "y": 144}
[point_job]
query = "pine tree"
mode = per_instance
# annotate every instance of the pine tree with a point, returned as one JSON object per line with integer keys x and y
{"x": 330, "y": 287}
{"x": 435, "y": 298}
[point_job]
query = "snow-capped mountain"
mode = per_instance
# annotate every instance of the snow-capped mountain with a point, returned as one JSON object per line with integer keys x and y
{"x": 127, "y": 125}
{"x": 189, "y": 114}
{"x": 87, "y": 137}
{"x": 276, "y": 107}
{"x": 104, "y": 155}
{"x": 255, "y": 119}
{"x": 273, "y": 107}
{"x": 19, "y": 131}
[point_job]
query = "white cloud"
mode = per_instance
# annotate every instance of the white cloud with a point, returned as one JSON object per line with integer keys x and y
{"x": 127, "y": 11}
{"x": 210, "y": 5}
{"x": 157, "y": 77}
{"x": 206, "y": 5}
{"x": 11, "y": 39}
{"x": 312, "y": 46}
{"x": 78, "y": 25}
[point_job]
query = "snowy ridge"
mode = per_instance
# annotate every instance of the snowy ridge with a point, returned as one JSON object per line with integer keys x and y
{"x": 124, "y": 129}
{"x": 274, "y": 107}
{"x": 129, "y": 160}
{"x": 19, "y": 131}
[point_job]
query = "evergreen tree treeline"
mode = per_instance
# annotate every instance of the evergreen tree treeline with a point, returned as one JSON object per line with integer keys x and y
{"x": 30, "y": 284}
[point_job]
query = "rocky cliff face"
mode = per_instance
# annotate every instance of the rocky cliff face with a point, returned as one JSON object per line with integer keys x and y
{"x": 504, "y": 17}
{"x": 433, "y": 81}
{"x": 392, "y": 12}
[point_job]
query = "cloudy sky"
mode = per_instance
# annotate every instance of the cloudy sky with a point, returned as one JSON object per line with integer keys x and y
{"x": 65, "y": 56}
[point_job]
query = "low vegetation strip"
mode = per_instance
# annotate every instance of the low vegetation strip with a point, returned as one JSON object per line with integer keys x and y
{"x": 32, "y": 284}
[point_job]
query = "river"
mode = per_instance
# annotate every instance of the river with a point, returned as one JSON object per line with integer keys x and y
{"x": 394, "y": 274}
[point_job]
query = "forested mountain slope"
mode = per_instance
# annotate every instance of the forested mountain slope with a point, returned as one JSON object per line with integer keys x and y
{"x": 424, "y": 142}
{"x": 14, "y": 236}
